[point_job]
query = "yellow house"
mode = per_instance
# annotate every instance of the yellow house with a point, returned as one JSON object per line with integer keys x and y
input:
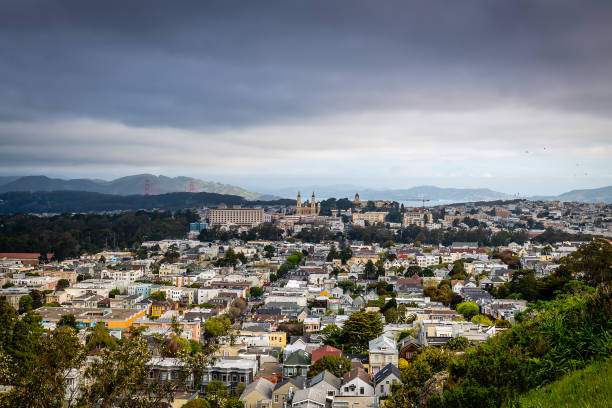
{"x": 118, "y": 319}
{"x": 324, "y": 293}
{"x": 276, "y": 339}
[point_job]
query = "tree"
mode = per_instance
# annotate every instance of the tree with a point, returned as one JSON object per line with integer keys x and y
{"x": 99, "y": 337}
{"x": 359, "y": 329}
{"x": 482, "y": 319}
{"x": 468, "y": 309}
{"x": 332, "y": 254}
{"x": 67, "y": 320}
{"x": 458, "y": 343}
{"x": 427, "y": 362}
{"x": 592, "y": 262}
{"x": 336, "y": 365}
{"x": 256, "y": 292}
{"x": 345, "y": 254}
{"x": 269, "y": 251}
{"x": 197, "y": 403}
{"x": 114, "y": 293}
{"x": 159, "y": 295}
{"x": 62, "y": 284}
{"x": 347, "y": 286}
{"x": 332, "y": 336}
{"x": 25, "y": 303}
{"x": 141, "y": 253}
{"x": 370, "y": 270}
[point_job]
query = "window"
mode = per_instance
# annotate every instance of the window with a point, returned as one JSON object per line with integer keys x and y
{"x": 361, "y": 391}
{"x": 276, "y": 399}
{"x": 382, "y": 388}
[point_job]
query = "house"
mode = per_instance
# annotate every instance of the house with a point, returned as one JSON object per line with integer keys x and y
{"x": 257, "y": 394}
{"x": 385, "y": 378}
{"x": 297, "y": 363}
{"x": 383, "y": 351}
{"x": 308, "y": 398}
{"x": 230, "y": 371}
{"x": 284, "y": 391}
{"x": 327, "y": 383}
{"x": 356, "y": 383}
{"x": 407, "y": 347}
{"x": 325, "y": 351}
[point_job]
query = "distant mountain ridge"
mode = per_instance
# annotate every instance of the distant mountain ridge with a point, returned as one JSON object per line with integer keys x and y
{"x": 590, "y": 195}
{"x": 440, "y": 195}
{"x": 129, "y": 185}
{"x": 437, "y": 195}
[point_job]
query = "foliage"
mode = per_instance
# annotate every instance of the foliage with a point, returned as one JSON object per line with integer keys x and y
{"x": 332, "y": 336}
{"x": 69, "y": 235}
{"x": 347, "y": 286}
{"x": 159, "y": 295}
{"x": 554, "y": 338}
{"x": 114, "y": 293}
{"x": 269, "y": 251}
{"x": 414, "y": 373}
{"x": 359, "y": 329}
{"x": 62, "y": 284}
{"x": 468, "y": 309}
{"x": 592, "y": 262}
{"x": 197, "y": 403}
{"x": 482, "y": 320}
{"x": 99, "y": 337}
{"x": 67, "y": 320}
{"x": 458, "y": 343}
{"x": 590, "y": 387}
{"x": 256, "y": 292}
{"x": 336, "y": 365}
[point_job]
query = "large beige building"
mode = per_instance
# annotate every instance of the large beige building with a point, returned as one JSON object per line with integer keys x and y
{"x": 418, "y": 218}
{"x": 372, "y": 217}
{"x": 308, "y": 210}
{"x": 236, "y": 216}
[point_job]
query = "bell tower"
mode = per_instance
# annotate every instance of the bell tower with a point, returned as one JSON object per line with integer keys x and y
{"x": 313, "y": 203}
{"x": 299, "y": 200}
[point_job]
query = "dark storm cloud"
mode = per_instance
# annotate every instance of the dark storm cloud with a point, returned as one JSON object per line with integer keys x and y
{"x": 194, "y": 64}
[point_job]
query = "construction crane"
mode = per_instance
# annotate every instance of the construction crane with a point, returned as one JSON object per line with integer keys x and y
{"x": 423, "y": 200}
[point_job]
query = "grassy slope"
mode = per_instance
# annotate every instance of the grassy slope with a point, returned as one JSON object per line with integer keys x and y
{"x": 590, "y": 387}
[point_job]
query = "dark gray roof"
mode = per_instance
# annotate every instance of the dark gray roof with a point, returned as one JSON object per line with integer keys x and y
{"x": 385, "y": 372}
{"x": 327, "y": 377}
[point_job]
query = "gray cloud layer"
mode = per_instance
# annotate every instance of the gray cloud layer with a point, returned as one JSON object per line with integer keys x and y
{"x": 110, "y": 82}
{"x": 197, "y": 63}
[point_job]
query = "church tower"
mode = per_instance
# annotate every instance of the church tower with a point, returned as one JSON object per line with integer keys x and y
{"x": 313, "y": 202}
{"x": 299, "y": 200}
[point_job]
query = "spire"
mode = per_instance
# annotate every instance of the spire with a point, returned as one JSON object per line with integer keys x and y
{"x": 299, "y": 200}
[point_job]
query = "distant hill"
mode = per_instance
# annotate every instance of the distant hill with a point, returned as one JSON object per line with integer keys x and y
{"x": 437, "y": 195}
{"x": 83, "y": 201}
{"x": 592, "y": 195}
{"x": 129, "y": 185}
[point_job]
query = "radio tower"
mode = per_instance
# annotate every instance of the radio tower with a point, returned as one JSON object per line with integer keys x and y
{"x": 147, "y": 186}
{"x": 191, "y": 187}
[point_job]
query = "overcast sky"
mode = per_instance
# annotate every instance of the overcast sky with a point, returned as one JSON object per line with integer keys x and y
{"x": 511, "y": 95}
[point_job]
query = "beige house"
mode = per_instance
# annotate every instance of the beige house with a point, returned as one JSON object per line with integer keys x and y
{"x": 257, "y": 394}
{"x": 283, "y": 391}
{"x": 372, "y": 217}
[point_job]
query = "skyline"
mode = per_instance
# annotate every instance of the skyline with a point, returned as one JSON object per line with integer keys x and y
{"x": 512, "y": 97}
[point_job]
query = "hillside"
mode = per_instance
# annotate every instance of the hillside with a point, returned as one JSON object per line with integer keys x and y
{"x": 587, "y": 388}
{"x": 83, "y": 201}
{"x": 129, "y": 185}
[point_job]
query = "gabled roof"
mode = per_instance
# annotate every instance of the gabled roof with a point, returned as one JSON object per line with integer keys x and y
{"x": 298, "y": 382}
{"x": 309, "y": 394}
{"x": 263, "y": 386}
{"x": 356, "y": 372}
{"x": 327, "y": 377}
{"x": 385, "y": 372}
{"x": 382, "y": 343}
